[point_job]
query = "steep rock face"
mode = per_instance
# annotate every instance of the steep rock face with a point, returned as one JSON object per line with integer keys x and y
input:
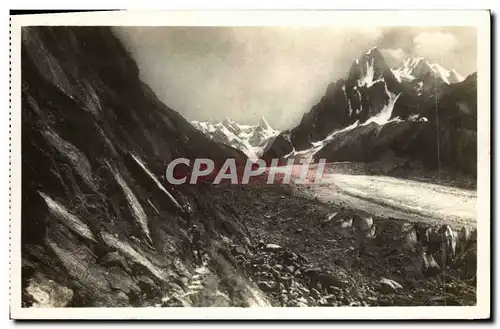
{"x": 98, "y": 222}
{"x": 377, "y": 109}
{"x": 278, "y": 146}
{"x": 366, "y": 91}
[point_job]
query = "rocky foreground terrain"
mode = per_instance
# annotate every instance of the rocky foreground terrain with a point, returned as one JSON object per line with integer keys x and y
{"x": 100, "y": 228}
{"x": 304, "y": 252}
{"x": 290, "y": 250}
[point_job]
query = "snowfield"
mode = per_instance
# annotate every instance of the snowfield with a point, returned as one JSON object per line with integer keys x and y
{"x": 400, "y": 198}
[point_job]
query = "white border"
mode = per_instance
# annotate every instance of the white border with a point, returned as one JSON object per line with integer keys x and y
{"x": 476, "y": 18}
{"x": 262, "y": 18}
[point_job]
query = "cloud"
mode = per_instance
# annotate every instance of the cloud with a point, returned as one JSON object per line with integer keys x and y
{"x": 394, "y": 56}
{"x": 209, "y": 73}
{"x": 434, "y": 44}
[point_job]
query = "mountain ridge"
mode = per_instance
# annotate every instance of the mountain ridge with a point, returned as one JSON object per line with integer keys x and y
{"x": 250, "y": 139}
{"x": 412, "y": 97}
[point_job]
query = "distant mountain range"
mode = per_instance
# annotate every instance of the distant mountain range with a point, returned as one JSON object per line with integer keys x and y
{"x": 418, "y": 111}
{"x": 250, "y": 139}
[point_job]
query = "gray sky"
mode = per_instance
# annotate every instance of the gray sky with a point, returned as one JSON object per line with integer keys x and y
{"x": 208, "y": 73}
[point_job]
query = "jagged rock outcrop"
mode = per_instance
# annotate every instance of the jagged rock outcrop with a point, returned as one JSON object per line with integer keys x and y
{"x": 100, "y": 227}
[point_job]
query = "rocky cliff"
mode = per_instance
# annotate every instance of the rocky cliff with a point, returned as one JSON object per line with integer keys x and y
{"x": 99, "y": 225}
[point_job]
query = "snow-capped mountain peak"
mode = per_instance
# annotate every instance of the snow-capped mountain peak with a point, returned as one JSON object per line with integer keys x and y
{"x": 251, "y": 139}
{"x": 231, "y": 126}
{"x": 369, "y": 69}
{"x": 448, "y": 76}
{"x": 417, "y": 67}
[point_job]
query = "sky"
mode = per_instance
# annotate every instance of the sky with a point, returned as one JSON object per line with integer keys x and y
{"x": 244, "y": 73}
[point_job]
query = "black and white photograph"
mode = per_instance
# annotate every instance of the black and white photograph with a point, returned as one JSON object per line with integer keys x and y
{"x": 167, "y": 167}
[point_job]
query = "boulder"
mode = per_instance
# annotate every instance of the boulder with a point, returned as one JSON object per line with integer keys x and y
{"x": 115, "y": 298}
{"x": 312, "y": 271}
{"x": 315, "y": 293}
{"x": 364, "y": 227}
{"x": 463, "y": 239}
{"x": 366, "y": 223}
{"x": 388, "y": 286}
{"x": 115, "y": 259}
{"x": 332, "y": 216}
{"x": 246, "y": 241}
{"x": 430, "y": 266}
{"x": 120, "y": 280}
{"x": 268, "y": 286}
{"x": 469, "y": 258}
{"x": 293, "y": 295}
{"x": 331, "y": 299}
{"x": 446, "y": 300}
{"x": 283, "y": 298}
{"x": 449, "y": 240}
{"x": 276, "y": 274}
{"x": 301, "y": 304}
{"x": 287, "y": 281}
{"x": 328, "y": 219}
{"x": 345, "y": 223}
{"x": 272, "y": 247}
{"x": 226, "y": 240}
{"x": 174, "y": 301}
{"x": 239, "y": 250}
{"x": 473, "y": 235}
{"x": 334, "y": 290}
{"x": 147, "y": 284}
{"x": 260, "y": 259}
{"x": 305, "y": 292}
{"x": 48, "y": 293}
{"x": 435, "y": 239}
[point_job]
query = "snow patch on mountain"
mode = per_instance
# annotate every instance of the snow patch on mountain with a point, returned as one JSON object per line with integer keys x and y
{"x": 415, "y": 67}
{"x": 448, "y": 76}
{"x": 385, "y": 114}
{"x": 381, "y": 118}
{"x": 308, "y": 154}
{"x": 370, "y": 73}
{"x": 404, "y": 72}
{"x": 250, "y": 139}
